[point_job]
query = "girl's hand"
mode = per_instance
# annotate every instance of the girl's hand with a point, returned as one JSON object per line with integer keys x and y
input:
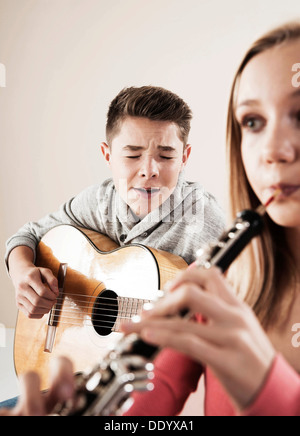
{"x": 230, "y": 340}
{"x": 33, "y": 402}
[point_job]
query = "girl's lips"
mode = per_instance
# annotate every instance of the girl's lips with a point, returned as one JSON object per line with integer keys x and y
{"x": 286, "y": 190}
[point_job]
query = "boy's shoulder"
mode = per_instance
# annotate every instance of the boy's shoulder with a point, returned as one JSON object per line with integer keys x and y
{"x": 199, "y": 193}
{"x": 106, "y": 187}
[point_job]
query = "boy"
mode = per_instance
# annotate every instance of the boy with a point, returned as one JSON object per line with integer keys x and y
{"x": 146, "y": 201}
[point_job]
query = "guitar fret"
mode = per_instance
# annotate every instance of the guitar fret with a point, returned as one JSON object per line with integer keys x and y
{"x": 127, "y": 308}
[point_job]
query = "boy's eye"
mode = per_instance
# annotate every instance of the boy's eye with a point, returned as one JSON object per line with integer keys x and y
{"x": 162, "y": 157}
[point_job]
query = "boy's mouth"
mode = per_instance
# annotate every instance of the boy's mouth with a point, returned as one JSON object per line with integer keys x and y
{"x": 147, "y": 192}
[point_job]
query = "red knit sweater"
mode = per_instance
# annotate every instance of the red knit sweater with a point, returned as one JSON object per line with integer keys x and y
{"x": 176, "y": 376}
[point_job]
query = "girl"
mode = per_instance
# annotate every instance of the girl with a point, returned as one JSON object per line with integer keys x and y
{"x": 251, "y": 356}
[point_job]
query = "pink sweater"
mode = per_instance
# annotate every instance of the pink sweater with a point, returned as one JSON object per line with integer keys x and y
{"x": 176, "y": 376}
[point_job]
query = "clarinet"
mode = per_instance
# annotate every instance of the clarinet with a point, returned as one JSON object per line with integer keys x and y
{"x": 106, "y": 389}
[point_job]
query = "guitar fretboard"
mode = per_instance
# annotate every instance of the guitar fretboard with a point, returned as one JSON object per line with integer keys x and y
{"x": 128, "y": 307}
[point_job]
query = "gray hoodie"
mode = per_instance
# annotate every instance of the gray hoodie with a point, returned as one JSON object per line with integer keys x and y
{"x": 186, "y": 221}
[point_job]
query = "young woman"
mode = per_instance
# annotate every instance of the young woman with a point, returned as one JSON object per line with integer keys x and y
{"x": 251, "y": 356}
{"x": 248, "y": 342}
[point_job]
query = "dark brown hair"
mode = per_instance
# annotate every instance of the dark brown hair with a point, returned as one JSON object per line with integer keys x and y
{"x": 154, "y": 103}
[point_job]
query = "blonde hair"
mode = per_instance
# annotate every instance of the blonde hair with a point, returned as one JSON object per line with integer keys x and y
{"x": 258, "y": 274}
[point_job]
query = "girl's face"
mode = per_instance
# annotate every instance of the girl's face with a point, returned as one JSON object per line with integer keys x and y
{"x": 268, "y": 111}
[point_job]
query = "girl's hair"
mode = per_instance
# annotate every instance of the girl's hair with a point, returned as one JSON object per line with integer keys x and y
{"x": 258, "y": 274}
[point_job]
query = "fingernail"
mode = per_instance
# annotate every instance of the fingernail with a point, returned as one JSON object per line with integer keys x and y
{"x": 136, "y": 319}
{"x": 147, "y": 309}
{"x": 160, "y": 294}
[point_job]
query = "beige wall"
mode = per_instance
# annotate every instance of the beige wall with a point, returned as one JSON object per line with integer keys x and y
{"x": 63, "y": 61}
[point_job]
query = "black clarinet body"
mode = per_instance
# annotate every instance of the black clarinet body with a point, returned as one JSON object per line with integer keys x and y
{"x": 106, "y": 390}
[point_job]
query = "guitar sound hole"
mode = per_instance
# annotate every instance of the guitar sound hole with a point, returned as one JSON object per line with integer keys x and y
{"x": 105, "y": 312}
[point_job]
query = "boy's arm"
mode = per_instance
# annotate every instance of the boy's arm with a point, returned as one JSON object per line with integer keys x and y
{"x": 36, "y": 288}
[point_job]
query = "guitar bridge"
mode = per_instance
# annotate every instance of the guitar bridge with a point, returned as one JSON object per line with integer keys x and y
{"x": 55, "y": 312}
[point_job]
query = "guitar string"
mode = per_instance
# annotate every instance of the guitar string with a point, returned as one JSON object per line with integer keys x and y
{"x": 96, "y": 318}
{"x": 81, "y": 324}
{"x": 116, "y": 307}
{"x": 118, "y": 312}
{"x": 80, "y": 315}
{"x": 118, "y": 298}
{"x": 67, "y": 294}
{"x": 132, "y": 307}
{"x": 79, "y": 320}
{"x": 76, "y": 315}
{"x": 118, "y": 302}
{"x": 88, "y": 322}
{"x": 101, "y": 301}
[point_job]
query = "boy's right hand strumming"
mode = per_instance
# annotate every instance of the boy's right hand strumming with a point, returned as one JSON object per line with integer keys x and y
{"x": 36, "y": 288}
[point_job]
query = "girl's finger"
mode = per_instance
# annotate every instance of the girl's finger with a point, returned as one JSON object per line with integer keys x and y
{"x": 62, "y": 382}
{"x": 31, "y": 403}
{"x": 194, "y": 346}
{"x": 190, "y": 298}
{"x": 211, "y": 280}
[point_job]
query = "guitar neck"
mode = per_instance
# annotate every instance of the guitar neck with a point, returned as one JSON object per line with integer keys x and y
{"x": 128, "y": 307}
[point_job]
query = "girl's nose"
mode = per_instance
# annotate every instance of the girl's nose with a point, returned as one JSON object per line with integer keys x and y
{"x": 279, "y": 146}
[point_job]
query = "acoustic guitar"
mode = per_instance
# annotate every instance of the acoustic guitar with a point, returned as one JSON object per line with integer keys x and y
{"x": 100, "y": 285}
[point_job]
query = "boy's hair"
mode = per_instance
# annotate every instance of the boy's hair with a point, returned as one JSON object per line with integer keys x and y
{"x": 154, "y": 103}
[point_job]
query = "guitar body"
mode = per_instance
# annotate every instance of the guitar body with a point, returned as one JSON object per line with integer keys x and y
{"x": 100, "y": 285}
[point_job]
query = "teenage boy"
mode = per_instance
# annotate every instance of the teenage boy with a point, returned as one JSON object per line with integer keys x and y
{"x": 146, "y": 201}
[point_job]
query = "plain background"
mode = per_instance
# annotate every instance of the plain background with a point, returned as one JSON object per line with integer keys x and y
{"x": 65, "y": 60}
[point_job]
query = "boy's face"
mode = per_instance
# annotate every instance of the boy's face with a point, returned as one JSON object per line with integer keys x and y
{"x": 146, "y": 158}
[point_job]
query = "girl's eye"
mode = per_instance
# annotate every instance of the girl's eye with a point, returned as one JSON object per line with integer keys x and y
{"x": 132, "y": 157}
{"x": 166, "y": 157}
{"x": 253, "y": 124}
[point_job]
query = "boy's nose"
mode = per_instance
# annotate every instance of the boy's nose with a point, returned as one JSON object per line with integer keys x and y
{"x": 149, "y": 168}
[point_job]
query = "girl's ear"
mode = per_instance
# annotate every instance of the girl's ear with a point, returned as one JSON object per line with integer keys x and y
{"x": 106, "y": 152}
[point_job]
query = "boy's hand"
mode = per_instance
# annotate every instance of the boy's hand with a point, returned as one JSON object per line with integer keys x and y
{"x": 36, "y": 291}
{"x": 36, "y": 288}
